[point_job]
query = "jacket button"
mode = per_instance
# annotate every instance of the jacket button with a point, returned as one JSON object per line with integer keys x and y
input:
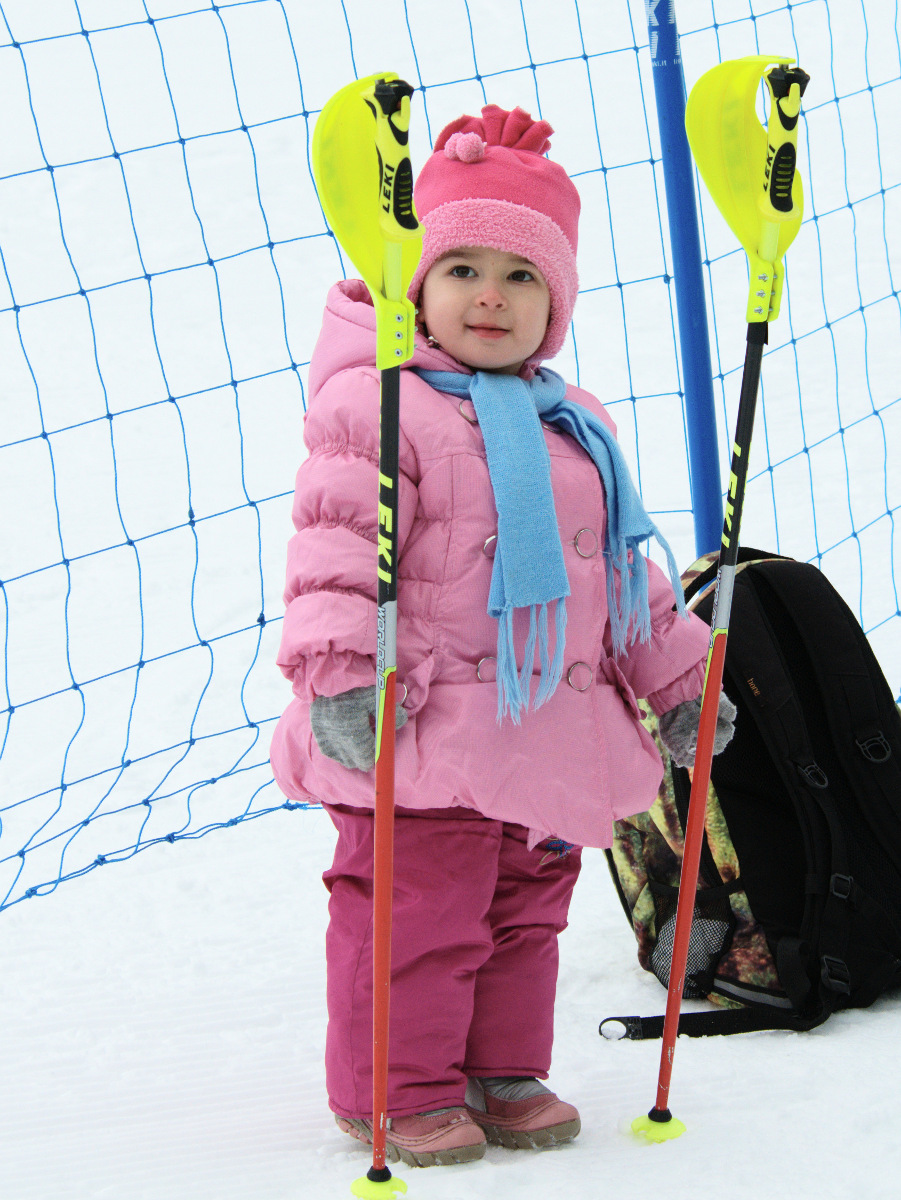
{"x": 586, "y": 543}
{"x": 579, "y": 676}
{"x": 487, "y": 670}
{"x": 465, "y": 412}
{"x": 490, "y": 546}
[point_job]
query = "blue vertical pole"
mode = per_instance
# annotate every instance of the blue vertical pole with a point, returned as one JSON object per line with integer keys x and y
{"x": 681, "y": 203}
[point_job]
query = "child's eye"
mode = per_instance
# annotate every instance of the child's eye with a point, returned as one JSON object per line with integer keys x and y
{"x": 522, "y": 276}
{"x": 461, "y": 271}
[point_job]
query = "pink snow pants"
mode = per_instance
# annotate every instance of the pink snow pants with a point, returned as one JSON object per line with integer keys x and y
{"x": 474, "y": 957}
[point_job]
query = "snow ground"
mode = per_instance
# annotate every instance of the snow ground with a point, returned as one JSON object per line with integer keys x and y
{"x": 163, "y": 1033}
{"x": 163, "y": 1018}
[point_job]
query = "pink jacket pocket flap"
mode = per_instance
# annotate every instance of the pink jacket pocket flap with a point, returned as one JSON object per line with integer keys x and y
{"x": 617, "y": 679}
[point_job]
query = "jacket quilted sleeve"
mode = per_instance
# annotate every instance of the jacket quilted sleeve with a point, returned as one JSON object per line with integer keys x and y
{"x": 329, "y": 636}
{"x": 670, "y": 666}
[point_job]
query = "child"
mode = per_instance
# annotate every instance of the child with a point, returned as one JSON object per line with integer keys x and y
{"x": 528, "y": 622}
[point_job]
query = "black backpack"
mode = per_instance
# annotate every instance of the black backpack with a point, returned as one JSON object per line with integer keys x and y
{"x": 798, "y": 911}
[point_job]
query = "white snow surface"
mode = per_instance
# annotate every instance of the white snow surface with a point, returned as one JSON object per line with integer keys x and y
{"x": 163, "y": 1031}
{"x": 163, "y": 1017}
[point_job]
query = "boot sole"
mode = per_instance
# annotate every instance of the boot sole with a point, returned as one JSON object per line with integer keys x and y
{"x": 414, "y": 1158}
{"x": 533, "y": 1139}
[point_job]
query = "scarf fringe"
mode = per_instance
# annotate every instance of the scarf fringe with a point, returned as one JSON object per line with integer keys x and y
{"x": 630, "y": 608}
{"x": 514, "y": 683}
{"x": 550, "y": 677}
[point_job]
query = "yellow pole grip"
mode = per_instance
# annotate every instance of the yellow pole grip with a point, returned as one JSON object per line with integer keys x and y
{"x": 786, "y": 87}
{"x": 390, "y": 104}
{"x": 389, "y": 100}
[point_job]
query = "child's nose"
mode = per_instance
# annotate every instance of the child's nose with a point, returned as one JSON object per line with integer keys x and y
{"x": 492, "y": 296}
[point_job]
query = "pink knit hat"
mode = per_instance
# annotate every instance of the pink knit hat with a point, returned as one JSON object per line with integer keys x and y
{"x": 488, "y": 184}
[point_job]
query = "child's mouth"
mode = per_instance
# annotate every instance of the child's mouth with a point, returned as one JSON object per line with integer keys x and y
{"x": 489, "y": 332}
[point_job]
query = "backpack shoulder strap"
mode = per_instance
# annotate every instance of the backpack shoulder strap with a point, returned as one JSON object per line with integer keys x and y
{"x": 846, "y": 668}
{"x": 755, "y": 663}
{"x": 812, "y": 966}
{"x": 709, "y": 1024}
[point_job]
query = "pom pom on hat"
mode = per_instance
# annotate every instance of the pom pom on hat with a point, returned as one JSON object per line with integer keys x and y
{"x": 467, "y": 147}
{"x": 514, "y": 130}
{"x": 487, "y": 183}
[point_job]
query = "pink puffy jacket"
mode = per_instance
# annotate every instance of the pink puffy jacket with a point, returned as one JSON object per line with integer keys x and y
{"x": 573, "y": 765}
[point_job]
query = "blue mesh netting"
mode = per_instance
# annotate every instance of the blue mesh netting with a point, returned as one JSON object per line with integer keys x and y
{"x": 163, "y": 263}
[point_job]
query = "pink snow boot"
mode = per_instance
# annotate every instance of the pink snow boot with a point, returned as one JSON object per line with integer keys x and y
{"x": 521, "y": 1114}
{"x": 431, "y": 1139}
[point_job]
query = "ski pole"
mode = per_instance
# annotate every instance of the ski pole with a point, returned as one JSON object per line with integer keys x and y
{"x": 365, "y": 181}
{"x": 764, "y": 209}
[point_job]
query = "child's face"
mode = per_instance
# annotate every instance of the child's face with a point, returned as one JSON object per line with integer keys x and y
{"x": 487, "y": 308}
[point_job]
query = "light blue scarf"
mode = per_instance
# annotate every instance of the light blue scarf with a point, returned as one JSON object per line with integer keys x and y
{"x": 529, "y": 571}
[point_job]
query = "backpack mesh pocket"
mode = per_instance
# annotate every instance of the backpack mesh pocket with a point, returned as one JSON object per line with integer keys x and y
{"x": 712, "y": 927}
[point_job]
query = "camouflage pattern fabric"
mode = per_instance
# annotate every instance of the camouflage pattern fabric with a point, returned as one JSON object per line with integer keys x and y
{"x": 647, "y": 850}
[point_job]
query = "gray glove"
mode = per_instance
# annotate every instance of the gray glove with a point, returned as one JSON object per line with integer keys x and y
{"x": 678, "y": 729}
{"x": 344, "y": 726}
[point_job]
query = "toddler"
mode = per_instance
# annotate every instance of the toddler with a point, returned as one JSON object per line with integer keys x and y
{"x": 528, "y": 622}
